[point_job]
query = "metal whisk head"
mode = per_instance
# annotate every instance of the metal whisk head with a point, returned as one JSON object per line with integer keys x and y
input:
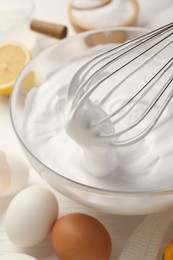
{"x": 131, "y": 82}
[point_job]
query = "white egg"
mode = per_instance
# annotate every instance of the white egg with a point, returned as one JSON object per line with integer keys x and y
{"x": 17, "y": 256}
{"x": 30, "y": 216}
{"x": 14, "y": 173}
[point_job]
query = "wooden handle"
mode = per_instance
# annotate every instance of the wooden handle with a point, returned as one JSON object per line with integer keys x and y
{"x": 54, "y": 30}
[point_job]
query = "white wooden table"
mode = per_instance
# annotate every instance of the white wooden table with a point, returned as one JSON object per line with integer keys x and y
{"x": 119, "y": 227}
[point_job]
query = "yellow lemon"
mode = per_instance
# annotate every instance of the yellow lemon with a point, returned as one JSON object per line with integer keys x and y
{"x": 13, "y": 57}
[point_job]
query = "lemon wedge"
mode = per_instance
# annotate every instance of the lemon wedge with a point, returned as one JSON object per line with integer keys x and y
{"x": 13, "y": 57}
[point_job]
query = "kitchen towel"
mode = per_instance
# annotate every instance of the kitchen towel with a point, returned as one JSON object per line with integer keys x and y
{"x": 147, "y": 242}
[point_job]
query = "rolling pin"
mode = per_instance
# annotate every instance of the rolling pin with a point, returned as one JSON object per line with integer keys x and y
{"x": 50, "y": 29}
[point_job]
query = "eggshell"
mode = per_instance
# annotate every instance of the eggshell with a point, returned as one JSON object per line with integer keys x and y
{"x": 79, "y": 236}
{"x": 30, "y": 216}
{"x": 14, "y": 173}
{"x": 16, "y": 256}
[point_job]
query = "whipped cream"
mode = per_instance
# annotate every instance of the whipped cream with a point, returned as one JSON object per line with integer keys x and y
{"x": 100, "y": 157}
{"x": 69, "y": 147}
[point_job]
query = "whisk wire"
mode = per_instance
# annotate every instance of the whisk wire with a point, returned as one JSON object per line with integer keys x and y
{"x": 74, "y": 86}
{"x": 140, "y": 90}
{"x": 150, "y": 106}
{"x": 143, "y": 95}
{"x": 148, "y": 129}
{"x": 91, "y": 90}
{"x": 109, "y": 63}
{"x": 144, "y": 62}
{"x": 136, "y": 41}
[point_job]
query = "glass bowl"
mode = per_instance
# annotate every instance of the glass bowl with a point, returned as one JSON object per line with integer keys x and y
{"x": 109, "y": 200}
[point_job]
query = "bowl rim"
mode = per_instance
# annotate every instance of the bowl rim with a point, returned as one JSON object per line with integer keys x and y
{"x": 165, "y": 191}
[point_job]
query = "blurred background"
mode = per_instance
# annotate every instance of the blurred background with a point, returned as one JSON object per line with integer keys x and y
{"x": 16, "y": 16}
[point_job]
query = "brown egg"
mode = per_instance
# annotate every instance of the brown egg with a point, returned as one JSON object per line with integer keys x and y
{"x": 80, "y": 237}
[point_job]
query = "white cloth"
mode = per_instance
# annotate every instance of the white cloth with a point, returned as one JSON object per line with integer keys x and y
{"x": 147, "y": 241}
